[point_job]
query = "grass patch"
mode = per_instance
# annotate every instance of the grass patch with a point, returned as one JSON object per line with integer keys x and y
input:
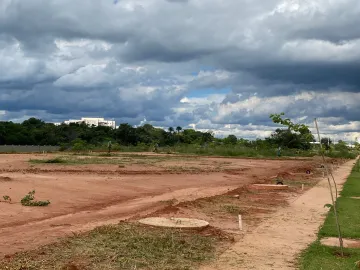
{"x": 185, "y": 169}
{"x": 49, "y": 161}
{"x": 29, "y": 200}
{"x": 231, "y": 209}
{"x": 124, "y": 246}
{"x": 317, "y": 256}
{"x": 348, "y": 211}
{"x": 349, "y": 217}
{"x": 105, "y": 159}
{"x": 253, "y": 152}
{"x": 78, "y": 160}
{"x": 352, "y": 186}
{"x": 105, "y": 155}
{"x": 234, "y": 151}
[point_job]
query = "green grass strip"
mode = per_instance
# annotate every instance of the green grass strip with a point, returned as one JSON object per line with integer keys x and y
{"x": 319, "y": 257}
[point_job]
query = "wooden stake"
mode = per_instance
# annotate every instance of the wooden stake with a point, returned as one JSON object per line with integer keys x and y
{"x": 302, "y": 186}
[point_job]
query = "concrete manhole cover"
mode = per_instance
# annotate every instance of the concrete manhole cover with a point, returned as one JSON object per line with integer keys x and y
{"x": 184, "y": 223}
{"x": 271, "y": 187}
{"x": 334, "y": 242}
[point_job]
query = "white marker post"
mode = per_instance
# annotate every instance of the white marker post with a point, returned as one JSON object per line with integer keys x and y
{"x": 240, "y": 223}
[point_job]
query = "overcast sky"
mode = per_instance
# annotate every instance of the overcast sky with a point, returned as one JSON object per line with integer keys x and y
{"x": 220, "y": 65}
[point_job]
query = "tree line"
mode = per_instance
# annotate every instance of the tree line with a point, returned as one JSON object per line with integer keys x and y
{"x": 36, "y": 132}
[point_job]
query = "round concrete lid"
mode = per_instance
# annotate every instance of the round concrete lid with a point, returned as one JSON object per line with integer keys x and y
{"x": 184, "y": 223}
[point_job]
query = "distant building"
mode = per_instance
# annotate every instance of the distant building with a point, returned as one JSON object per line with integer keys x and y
{"x": 92, "y": 122}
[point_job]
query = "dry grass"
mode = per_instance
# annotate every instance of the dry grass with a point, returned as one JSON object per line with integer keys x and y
{"x": 124, "y": 159}
{"x": 124, "y": 246}
{"x": 174, "y": 164}
{"x": 231, "y": 209}
{"x": 229, "y": 205}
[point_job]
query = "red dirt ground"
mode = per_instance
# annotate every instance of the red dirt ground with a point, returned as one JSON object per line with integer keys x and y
{"x": 85, "y": 196}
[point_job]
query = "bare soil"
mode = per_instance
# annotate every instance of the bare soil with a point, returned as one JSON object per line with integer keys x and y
{"x": 84, "y": 196}
{"x": 278, "y": 239}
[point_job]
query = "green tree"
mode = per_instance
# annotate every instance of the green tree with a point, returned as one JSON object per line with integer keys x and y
{"x": 171, "y": 129}
{"x": 231, "y": 139}
{"x": 126, "y": 135}
{"x": 206, "y": 137}
{"x": 326, "y": 142}
{"x": 33, "y": 123}
{"x": 295, "y": 136}
{"x": 341, "y": 146}
{"x": 78, "y": 145}
{"x": 178, "y": 129}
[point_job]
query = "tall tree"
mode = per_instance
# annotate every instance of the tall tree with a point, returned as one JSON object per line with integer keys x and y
{"x": 326, "y": 142}
{"x": 295, "y": 136}
{"x": 231, "y": 139}
{"x": 178, "y": 129}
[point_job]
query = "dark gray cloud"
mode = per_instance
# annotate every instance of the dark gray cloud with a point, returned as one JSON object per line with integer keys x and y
{"x": 317, "y": 75}
{"x": 139, "y": 59}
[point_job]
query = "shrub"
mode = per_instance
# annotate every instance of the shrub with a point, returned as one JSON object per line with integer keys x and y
{"x": 29, "y": 200}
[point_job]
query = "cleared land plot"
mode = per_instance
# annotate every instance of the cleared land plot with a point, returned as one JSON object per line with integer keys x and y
{"x": 84, "y": 196}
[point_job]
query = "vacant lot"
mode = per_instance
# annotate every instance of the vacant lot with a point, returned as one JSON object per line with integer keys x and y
{"x": 89, "y": 191}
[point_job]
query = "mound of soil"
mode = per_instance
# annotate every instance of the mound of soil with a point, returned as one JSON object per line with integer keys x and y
{"x": 303, "y": 169}
{"x": 5, "y": 179}
{"x": 284, "y": 175}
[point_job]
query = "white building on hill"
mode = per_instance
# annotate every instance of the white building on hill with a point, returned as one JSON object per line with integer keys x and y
{"x": 92, "y": 121}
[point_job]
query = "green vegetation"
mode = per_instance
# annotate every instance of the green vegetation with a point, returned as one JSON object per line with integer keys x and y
{"x": 348, "y": 211}
{"x": 29, "y": 200}
{"x": 124, "y": 246}
{"x": 7, "y": 198}
{"x": 318, "y": 256}
{"x": 50, "y": 161}
{"x": 74, "y": 160}
{"x": 294, "y": 140}
{"x": 322, "y": 257}
{"x": 231, "y": 209}
{"x": 238, "y": 150}
{"x": 120, "y": 159}
{"x": 294, "y": 136}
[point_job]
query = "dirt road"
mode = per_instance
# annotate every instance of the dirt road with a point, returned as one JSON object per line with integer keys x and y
{"x": 277, "y": 242}
{"x": 85, "y": 196}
